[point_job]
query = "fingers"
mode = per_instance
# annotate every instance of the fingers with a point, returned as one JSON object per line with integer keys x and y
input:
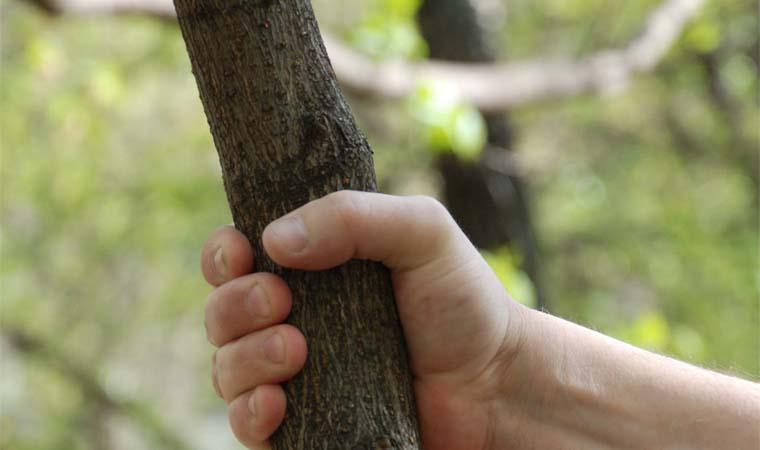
{"x": 245, "y": 305}
{"x": 255, "y": 415}
{"x": 241, "y": 316}
{"x": 269, "y": 356}
{"x": 402, "y": 232}
{"x": 226, "y": 255}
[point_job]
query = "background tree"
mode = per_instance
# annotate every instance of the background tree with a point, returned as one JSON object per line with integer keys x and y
{"x": 645, "y": 198}
{"x": 487, "y": 196}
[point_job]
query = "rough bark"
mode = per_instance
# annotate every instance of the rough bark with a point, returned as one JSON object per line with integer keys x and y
{"x": 488, "y": 198}
{"x": 285, "y": 136}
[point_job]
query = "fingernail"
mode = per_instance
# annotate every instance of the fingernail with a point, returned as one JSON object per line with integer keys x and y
{"x": 274, "y": 348}
{"x": 252, "y": 403}
{"x": 290, "y": 232}
{"x": 220, "y": 265}
{"x": 258, "y": 302}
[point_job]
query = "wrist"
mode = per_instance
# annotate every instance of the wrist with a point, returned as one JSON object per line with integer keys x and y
{"x": 554, "y": 393}
{"x": 570, "y": 387}
{"x": 526, "y": 381}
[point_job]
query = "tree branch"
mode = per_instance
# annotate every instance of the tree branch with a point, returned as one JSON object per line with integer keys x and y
{"x": 493, "y": 87}
{"x": 159, "y": 8}
{"x": 490, "y": 87}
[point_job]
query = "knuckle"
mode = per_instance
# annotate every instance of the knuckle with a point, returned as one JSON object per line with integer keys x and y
{"x": 227, "y": 358}
{"x": 215, "y": 361}
{"x": 437, "y": 226}
{"x": 209, "y": 335}
{"x": 228, "y": 370}
{"x": 239, "y": 420}
{"x": 432, "y": 206}
{"x": 215, "y": 383}
{"x": 438, "y": 217}
{"x": 347, "y": 205}
{"x": 210, "y": 317}
{"x": 209, "y": 309}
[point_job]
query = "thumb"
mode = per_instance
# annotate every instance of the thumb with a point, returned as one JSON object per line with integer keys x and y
{"x": 451, "y": 304}
{"x": 403, "y": 233}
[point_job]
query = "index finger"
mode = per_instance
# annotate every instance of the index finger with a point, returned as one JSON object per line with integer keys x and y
{"x": 226, "y": 255}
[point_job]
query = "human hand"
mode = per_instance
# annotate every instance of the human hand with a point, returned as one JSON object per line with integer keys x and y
{"x": 462, "y": 329}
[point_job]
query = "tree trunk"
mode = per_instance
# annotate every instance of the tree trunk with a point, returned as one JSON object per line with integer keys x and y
{"x": 487, "y": 198}
{"x": 285, "y": 136}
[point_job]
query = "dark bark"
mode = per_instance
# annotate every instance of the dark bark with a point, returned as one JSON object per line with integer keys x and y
{"x": 285, "y": 136}
{"x": 487, "y": 198}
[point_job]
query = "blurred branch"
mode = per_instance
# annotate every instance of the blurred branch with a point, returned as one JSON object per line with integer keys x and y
{"x": 36, "y": 348}
{"x": 494, "y": 87}
{"x": 490, "y": 87}
{"x": 159, "y": 8}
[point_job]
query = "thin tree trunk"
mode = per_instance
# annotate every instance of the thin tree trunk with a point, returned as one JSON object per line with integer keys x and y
{"x": 487, "y": 198}
{"x": 285, "y": 136}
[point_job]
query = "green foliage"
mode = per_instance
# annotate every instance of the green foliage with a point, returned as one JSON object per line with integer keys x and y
{"x": 389, "y": 30}
{"x": 445, "y": 122}
{"x": 110, "y": 184}
{"x": 507, "y": 267}
{"x": 704, "y": 35}
{"x": 646, "y": 203}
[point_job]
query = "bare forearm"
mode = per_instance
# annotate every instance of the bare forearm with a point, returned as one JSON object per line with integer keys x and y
{"x": 591, "y": 391}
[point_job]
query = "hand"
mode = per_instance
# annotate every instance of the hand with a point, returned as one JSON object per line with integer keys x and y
{"x": 461, "y": 327}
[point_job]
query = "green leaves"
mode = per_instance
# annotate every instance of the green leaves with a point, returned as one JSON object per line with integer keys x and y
{"x": 400, "y": 8}
{"x": 446, "y": 123}
{"x": 385, "y": 37}
{"x": 506, "y": 267}
{"x": 704, "y": 35}
{"x": 389, "y": 31}
{"x": 107, "y": 192}
{"x": 653, "y": 331}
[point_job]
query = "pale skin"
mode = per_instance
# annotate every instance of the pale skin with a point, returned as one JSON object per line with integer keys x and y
{"x": 526, "y": 379}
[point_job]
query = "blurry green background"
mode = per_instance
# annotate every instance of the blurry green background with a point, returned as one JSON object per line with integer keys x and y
{"x": 645, "y": 202}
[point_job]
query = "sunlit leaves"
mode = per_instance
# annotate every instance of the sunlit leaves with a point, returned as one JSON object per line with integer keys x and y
{"x": 571, "y": 9}
{"x": 740, "y": 75}
{"x": 704, "y": 35}
{"x": 43, "y": 55}
{"x": 106, "y": 84}
{"x": 109, "y": 183}
{"x": 446, "y": 123}
{"x": 400, "y": 8}
{"x": 652, "y": 330}
{"x": 390, "y": 31}
{"x": 687, "y": 343}
{"x": 506, "y": 267}
{"x": 386, "y": 38}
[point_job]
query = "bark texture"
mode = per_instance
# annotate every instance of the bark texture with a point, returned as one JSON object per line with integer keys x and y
{"x": 285, "y": 136}
{"x": 488, "y": 198}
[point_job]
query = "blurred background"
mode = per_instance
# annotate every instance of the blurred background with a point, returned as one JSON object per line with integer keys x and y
{"x": 629, "y": 206}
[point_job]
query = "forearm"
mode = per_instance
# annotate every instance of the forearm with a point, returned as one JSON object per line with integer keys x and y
{"x": 587, "y": 390}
